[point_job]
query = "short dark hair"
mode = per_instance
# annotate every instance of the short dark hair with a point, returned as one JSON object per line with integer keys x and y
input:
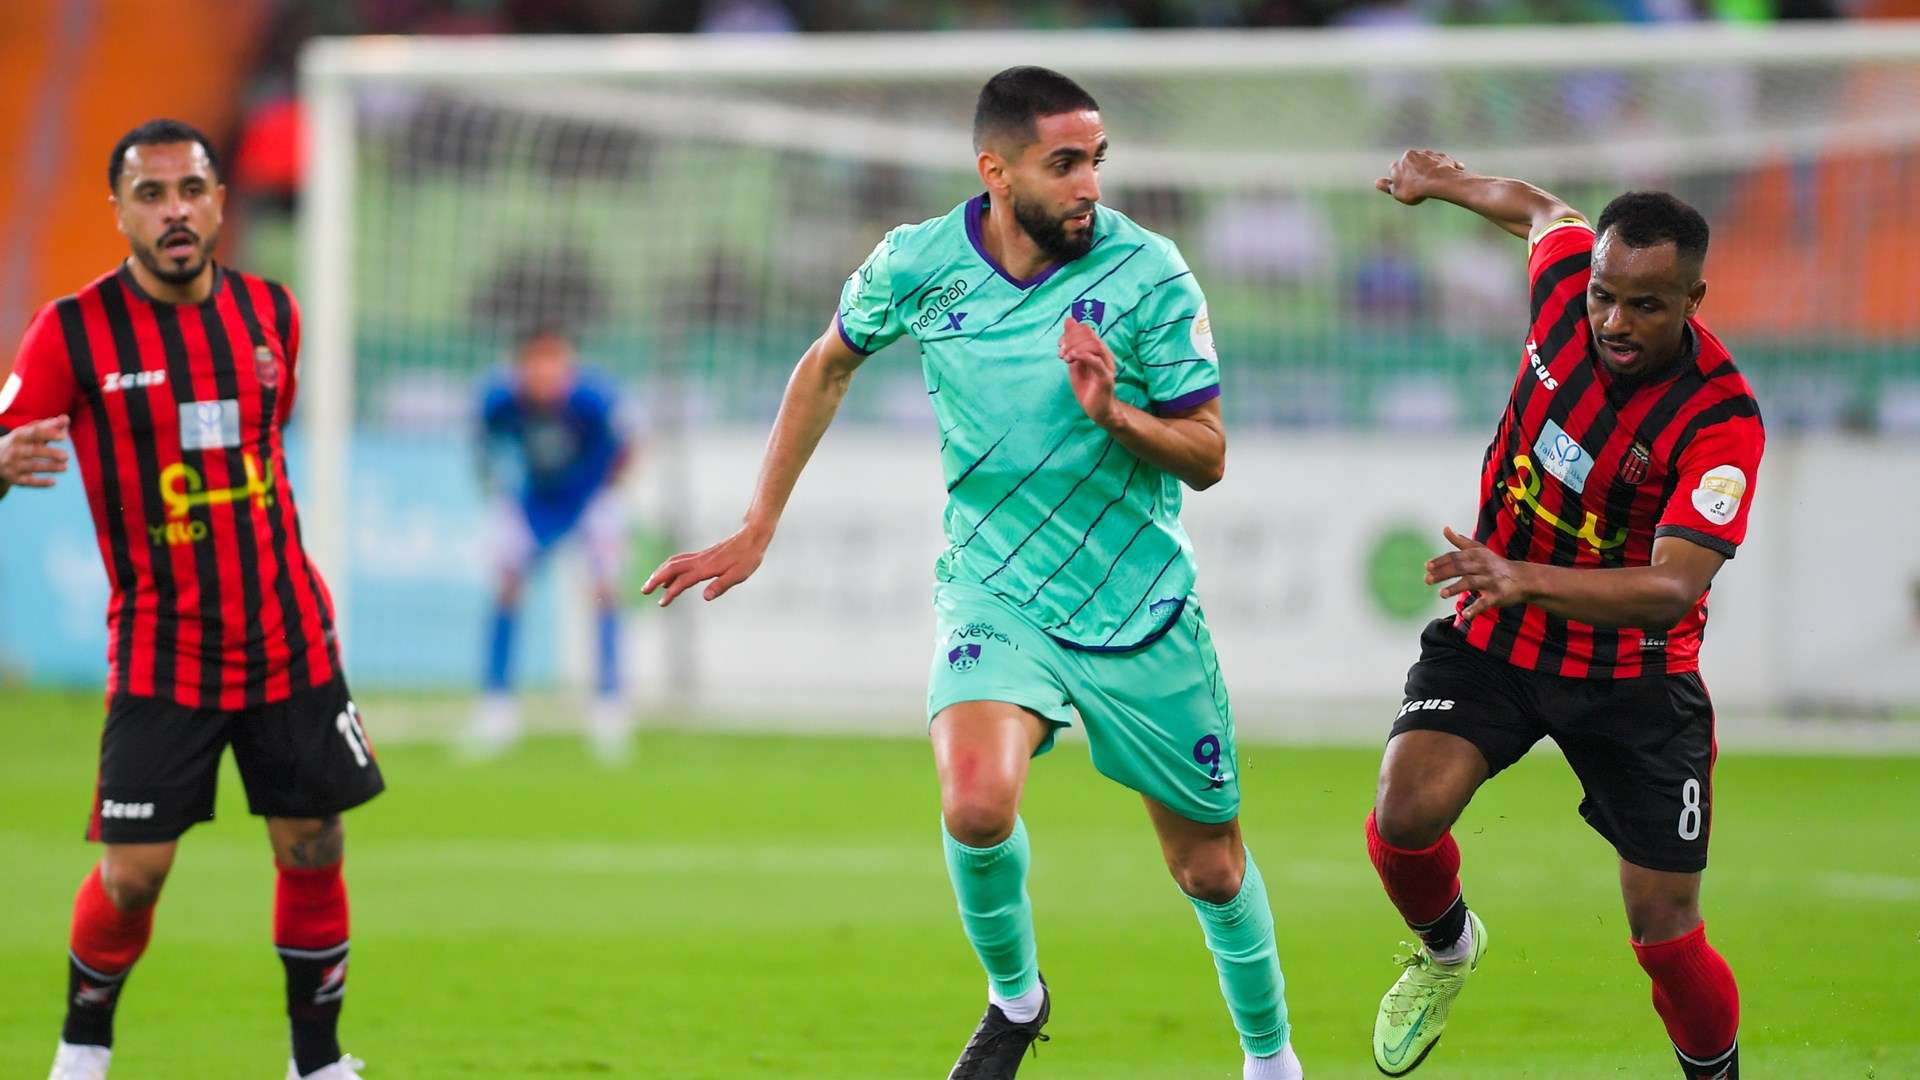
{"x": 1012, "y": 100}
{"x": 540, "y": 330}
{"x": 152, "y": 133}
{"x": 1644, "y": 219}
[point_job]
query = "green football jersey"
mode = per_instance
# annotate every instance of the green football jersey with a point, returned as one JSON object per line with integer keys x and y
{"x": 1043, "y": 507}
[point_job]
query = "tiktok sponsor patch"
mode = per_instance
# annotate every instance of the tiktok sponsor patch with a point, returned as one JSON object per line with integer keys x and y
{"x": 1719, "y": 494}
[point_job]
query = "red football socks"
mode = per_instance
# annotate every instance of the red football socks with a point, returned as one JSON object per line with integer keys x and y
{"x": 105, "y": 938}
{"x": 102, "y": 948}
{"x": 1423, "y": 884}
{"x": 309, "y": 907}
{"x": 1694, "y": 993}
{"x": 310, "y": 932}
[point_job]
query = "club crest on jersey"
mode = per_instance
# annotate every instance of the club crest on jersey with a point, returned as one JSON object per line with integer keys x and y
{"x": 264, "y": 367}
{"x": 963, "y": 657}
{"x": 1633, "y": 467}
{"x": 1088, "y": 311}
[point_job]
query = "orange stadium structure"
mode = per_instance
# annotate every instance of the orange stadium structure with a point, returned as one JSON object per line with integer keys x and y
{"x": 75, "y": 75}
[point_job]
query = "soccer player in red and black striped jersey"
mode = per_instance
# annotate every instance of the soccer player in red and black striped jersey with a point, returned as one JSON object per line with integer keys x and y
{"x": 1617, "y": 483}
{"x": 172, "y": 377}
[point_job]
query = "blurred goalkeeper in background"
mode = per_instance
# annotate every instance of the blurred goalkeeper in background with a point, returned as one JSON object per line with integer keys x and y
{"x": 552, "y": 451}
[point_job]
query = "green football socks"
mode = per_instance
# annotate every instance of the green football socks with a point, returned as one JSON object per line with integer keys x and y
{"x": 991, "y": 884}
{"x": 1240, "y": 935}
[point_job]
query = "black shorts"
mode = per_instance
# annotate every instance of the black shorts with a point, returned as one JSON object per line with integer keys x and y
{"x": 305, "y": 757}
{"x": 1643, "y": 748}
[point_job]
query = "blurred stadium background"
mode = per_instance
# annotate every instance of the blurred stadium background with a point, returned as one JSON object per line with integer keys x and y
{"x": 431, "y": 174}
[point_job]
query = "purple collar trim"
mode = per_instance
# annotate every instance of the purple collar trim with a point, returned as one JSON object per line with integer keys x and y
{"x": 977, "y": 206}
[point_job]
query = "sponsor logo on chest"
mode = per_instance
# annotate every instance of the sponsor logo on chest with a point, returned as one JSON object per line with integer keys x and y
{"x": 1562, "y": 456}
{"x": 113, "y": 382}
{"x": 1540, "y": 367}
{"x": 210, "y": 425}
{"x": 934, "y": 302}
{"x": 183, "y": 488}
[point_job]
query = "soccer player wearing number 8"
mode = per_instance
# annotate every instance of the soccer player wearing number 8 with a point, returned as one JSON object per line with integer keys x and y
{"x": 1072, "y": 371}
{"x": 1617, "y": 483}
{"x": 173, "y": 376}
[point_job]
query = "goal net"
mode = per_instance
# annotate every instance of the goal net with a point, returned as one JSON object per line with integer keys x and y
{"x": 689, "y": 208}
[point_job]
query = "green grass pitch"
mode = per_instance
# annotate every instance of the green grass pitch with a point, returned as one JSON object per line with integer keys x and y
{"x": 739, "y": 906}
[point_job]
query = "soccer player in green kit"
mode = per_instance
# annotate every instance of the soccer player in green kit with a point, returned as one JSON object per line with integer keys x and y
{"x": 1072, "y": 370}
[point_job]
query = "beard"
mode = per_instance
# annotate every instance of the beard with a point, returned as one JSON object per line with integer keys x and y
{"x": 170, "y": 271}
{"x": 1049, "y": 233}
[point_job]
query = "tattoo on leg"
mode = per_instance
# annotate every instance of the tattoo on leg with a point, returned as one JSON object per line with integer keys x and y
{"x": 323, "y": 848}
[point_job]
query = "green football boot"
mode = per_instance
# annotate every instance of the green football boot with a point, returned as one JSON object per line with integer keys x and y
{"x": 1414, "y": 1012}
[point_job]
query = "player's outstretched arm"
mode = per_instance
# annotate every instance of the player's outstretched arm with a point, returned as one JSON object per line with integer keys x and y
{"x": 28, "y": 456}
{"x": 1652, "y": 597}
{"x": 819, "y": 382}
{"x": 1191, "y": 445}
{"x": 1514, "y": 205}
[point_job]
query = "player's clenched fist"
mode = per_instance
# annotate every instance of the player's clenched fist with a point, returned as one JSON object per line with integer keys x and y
{"x": 726, "y": 564}
{"x": 1418, "y": 174}
{"x": 1090, "y": 369}
{"x": 28, "y": 457}
{"x": 1496, "y": 582}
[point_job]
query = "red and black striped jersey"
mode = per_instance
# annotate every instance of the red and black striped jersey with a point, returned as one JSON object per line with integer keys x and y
{"x": 1588, "y": 469}
{"x": 176, "y": 414}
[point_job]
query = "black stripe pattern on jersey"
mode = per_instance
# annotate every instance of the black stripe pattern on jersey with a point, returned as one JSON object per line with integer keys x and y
{"x": 293, "y": 626}
{"x": 968, "y": 471}
{"x": 1144, "y": 593}
{"x": 226, "y": 383}
{"x": 1064, "y": 499}
{"x": 1106, "y": 577}
{"x": 283, "y": 324}
{"x": 1088, "y": 534}
{"x": 113, "y": 300}
{"x": 86, "y": 376}
{"x": 206, "y": 556}
{"x": 1022, "y": 482}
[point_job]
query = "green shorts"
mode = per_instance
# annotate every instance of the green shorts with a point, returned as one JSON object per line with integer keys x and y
{"x": 1157, "y": 717}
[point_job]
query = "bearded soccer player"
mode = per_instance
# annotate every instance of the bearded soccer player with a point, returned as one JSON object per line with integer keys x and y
{"x": 172, "y": 376}
{"x": 1072, "y": 371}
{"x": 1617, "y": 483}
